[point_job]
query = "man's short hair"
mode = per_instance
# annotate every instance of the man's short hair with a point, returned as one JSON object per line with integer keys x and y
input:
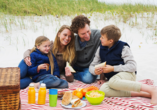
{"x": 79, "y": 22}
{"x": 112, "y": 32}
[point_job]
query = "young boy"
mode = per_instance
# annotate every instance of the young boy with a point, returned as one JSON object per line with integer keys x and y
{"x": 120, "y": 69}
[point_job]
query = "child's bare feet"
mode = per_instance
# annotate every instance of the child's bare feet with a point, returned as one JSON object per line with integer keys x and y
{"x": 100, "y": 81}
{"x": 36, "y": 85}
{"x": 67, "y": 71}
{"x": 154, "y": 96}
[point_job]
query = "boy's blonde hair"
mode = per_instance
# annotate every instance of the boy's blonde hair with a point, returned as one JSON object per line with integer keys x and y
{"x": 38, "y": 42}
{"x": 112, "y": 32}
{"x": 69, "y": 51}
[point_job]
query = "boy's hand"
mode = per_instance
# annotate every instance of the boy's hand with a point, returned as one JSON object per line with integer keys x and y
{"x": 98, "y": 70}
{"x": 108, "y": 69}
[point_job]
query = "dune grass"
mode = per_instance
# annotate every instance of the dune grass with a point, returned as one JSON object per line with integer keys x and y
{"x": 68, "y": 7}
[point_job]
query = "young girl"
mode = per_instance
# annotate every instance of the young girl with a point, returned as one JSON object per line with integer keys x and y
{"x": 41, "y": 57}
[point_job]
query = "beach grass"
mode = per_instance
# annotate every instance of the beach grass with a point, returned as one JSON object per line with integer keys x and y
{"x": 68, "y": 7}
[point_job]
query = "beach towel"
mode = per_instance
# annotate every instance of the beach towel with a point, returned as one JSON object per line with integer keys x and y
{"x": 109, "y": 103}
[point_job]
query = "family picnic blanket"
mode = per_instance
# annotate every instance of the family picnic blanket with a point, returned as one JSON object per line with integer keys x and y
{"x": 109, "y": 103}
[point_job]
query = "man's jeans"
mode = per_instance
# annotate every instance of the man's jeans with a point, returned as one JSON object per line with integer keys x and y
{"x": 83, "y": 74}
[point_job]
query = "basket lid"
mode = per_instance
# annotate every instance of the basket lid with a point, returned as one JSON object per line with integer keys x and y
{"x": 9, "y": 80}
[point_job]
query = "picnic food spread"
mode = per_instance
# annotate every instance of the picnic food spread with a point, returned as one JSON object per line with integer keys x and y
{"x": 69, "y": 98}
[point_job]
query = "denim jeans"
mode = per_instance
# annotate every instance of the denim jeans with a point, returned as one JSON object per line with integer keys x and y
{"x": 83, "y": 74}
{"x": 52, "y": 81}
{"x": 25, "y": 80}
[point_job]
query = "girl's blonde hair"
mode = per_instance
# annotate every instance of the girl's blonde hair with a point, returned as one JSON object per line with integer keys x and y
{"x": 69, "y": 51}
{"x": 39, "y": 40}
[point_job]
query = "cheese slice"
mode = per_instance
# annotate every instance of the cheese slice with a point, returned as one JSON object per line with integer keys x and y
{"x": 101, "y": 65}
{"x": 71, "y": 68}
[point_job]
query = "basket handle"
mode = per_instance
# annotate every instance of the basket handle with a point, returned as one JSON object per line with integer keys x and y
{"x": 6, "y": 102}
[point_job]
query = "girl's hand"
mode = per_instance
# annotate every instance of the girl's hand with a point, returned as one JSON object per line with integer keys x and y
{"x": 42, "y": 66}
{"x": 108, "y": 69}
{"x": 98, "y": 70}
{"x": 67, "y": 71}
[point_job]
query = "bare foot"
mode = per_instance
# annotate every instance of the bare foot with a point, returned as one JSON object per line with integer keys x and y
{"x": 154, "y": 96}
{"x": 100, "y": 81}
{"x": 67, "y": 71}
{"x": 36, "y": 85}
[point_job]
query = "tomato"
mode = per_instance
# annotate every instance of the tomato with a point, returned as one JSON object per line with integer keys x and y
{"x": 92, "y": 88}
{"x": 85, "y": 90}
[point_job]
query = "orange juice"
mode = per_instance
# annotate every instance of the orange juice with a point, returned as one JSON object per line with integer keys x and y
{"x": 31, "y": 94}
{"x": 42, "y": 94}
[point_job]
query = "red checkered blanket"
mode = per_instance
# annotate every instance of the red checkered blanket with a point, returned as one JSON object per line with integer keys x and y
{"x": 109, "y": 103}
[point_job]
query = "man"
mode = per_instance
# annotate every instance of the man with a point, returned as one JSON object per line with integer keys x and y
{"x": 86, "y": 43}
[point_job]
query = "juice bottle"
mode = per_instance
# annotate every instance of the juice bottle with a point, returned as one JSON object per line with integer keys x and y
{"x": 31, "y": 94}
{"x": 42, "y": 94}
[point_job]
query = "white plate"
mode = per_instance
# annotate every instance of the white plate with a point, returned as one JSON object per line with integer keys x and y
{"x": 69, "y": 106}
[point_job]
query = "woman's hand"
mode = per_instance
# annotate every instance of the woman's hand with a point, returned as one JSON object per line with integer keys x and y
{"x": 67, "y": 71}
{"x": 28, "y": 61}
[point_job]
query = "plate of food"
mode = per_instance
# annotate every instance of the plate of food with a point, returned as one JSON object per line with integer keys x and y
{"x": 71, "y": 101}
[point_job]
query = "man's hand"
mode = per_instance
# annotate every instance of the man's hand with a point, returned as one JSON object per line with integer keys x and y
{"x": 28, "y": 61}
{"x": 98, "y": 70}
{"x": 108, "y": 69}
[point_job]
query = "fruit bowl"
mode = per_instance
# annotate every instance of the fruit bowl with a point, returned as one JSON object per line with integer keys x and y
{"x": 93, "y": 99}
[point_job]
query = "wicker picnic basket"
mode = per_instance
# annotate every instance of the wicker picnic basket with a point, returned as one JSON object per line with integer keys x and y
{"x": 10, "y": 88}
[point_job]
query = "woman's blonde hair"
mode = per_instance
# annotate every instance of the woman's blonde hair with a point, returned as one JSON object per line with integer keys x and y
{"x": 69, "y": 50}
{"x": 39, "y": 40}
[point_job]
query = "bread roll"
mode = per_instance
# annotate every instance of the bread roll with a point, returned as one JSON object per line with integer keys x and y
{"x": 66, "y": 98}
{"x": 47, "y": 66}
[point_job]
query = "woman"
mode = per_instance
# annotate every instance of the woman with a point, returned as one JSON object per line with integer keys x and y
{"x": 63, "y": 49}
